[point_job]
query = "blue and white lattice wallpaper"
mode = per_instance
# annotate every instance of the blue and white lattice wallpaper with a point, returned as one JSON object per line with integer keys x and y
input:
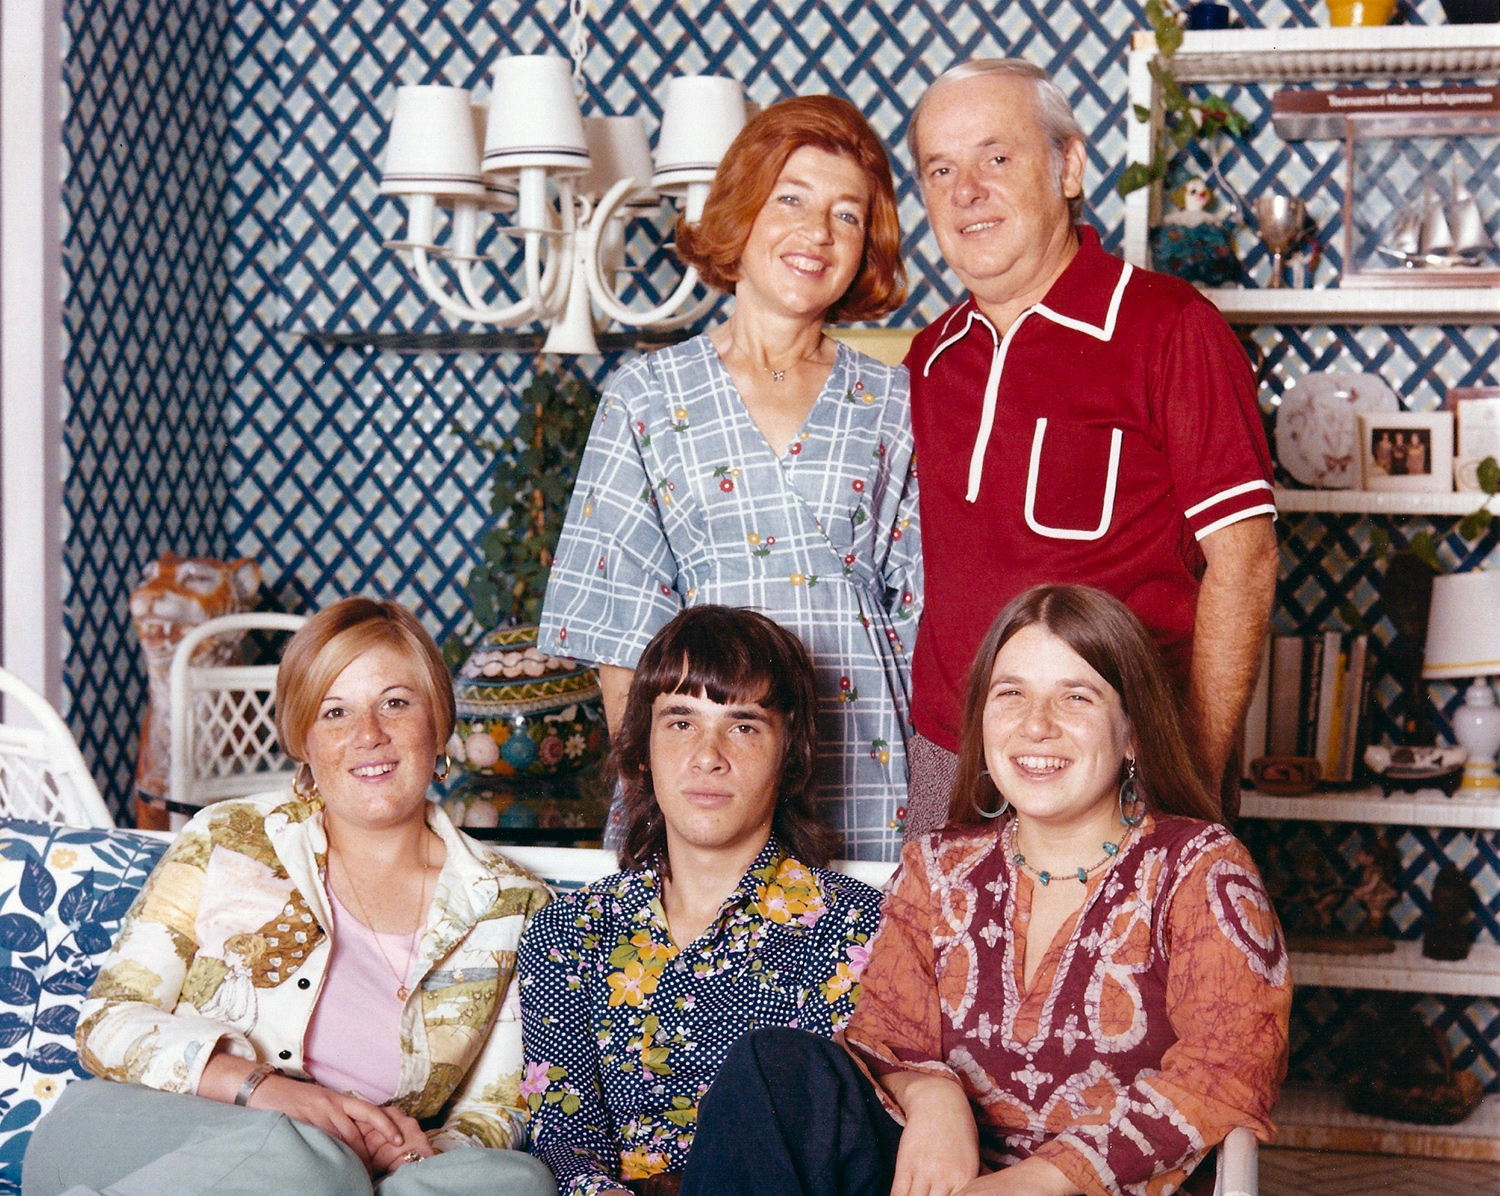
{"x": 222, "y": 209}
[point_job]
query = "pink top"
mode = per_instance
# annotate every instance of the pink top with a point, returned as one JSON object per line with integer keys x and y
{"x": 353, "y": 1041}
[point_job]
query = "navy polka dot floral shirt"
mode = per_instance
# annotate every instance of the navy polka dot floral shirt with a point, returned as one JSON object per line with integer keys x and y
{"x": 624, "y": 1032}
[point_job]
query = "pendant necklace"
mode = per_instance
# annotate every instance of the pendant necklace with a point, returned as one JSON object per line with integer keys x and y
{"x": 402, "y": 991}
{"x": 780, "y": 375}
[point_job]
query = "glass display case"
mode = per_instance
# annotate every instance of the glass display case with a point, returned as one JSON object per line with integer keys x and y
{"x": 1422, "y": 201}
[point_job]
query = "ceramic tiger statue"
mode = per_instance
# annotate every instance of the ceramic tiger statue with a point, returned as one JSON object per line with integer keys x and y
{"x": 174, "y": 596}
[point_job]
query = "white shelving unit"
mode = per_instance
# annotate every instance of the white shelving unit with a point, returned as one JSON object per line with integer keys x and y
{"x": 1402, "y": 52}
{"x": 1405, "y": 969}
{"x": 1318, "y": 1119}
{"x": 1355, "y": 305}
{"x": 1383, "y": 502}
{"x": 1426, "y": 807}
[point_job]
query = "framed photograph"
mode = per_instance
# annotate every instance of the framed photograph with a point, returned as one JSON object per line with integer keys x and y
{"x": 1476, "y": 414}
{"x": 1406, "y": 450}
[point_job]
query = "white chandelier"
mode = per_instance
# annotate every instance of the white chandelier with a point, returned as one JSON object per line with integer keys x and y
{"x": 539, "y": 170}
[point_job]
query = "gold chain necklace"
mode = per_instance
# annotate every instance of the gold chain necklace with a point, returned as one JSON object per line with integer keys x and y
{"x": 402, "y": 992}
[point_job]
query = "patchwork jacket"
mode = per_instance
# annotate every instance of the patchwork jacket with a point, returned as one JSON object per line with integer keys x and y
{"x": 228, "y": 945}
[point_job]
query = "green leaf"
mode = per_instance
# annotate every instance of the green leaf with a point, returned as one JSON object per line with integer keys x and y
{"x": 1133, "y": 178}
{"x": 1423, "y": 548}
{"x": 1380, "y": 541}
{"x": 1143, "y": 114}
{"x": 1489, "y": 475}
{"x": 1183, "y": 133}
{"x": 455, "y": 652}
{"x": 1475, "y": 524}
{"x": 1168, "y": 31}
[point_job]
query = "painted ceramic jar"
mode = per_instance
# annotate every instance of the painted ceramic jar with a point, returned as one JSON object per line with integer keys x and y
{"x": 522, "y": 713}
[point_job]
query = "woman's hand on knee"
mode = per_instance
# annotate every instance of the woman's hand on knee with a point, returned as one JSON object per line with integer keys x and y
{"x": 939, "y": 1150}
{"x": 388, "y": 1154}
{"x": 345, "y": 1117}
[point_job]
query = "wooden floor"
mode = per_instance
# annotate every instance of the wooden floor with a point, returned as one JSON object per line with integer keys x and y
{"x": 1323, "y": 1173}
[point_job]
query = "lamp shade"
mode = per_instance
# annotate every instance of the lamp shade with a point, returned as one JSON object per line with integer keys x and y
{"x": 499, "y": 190}
{"x": 1463, "y": 630}
{"x": 700, "y": 116}
{"x": 431, "y": 148}
{"x": 618, "y": 149}
{"x": 534, "y": 117}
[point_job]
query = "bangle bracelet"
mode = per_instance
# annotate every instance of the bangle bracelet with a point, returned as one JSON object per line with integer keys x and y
{"x": 254, "y": 1080}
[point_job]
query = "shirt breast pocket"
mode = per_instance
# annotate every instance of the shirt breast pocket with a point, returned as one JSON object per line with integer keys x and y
{"x": 1071, "y": 479}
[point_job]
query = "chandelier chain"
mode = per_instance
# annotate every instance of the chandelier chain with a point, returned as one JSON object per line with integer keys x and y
{"x": 578, "y": 40}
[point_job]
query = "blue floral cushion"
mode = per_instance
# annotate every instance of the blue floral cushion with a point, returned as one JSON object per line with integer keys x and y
{"x": 63, "y": 893}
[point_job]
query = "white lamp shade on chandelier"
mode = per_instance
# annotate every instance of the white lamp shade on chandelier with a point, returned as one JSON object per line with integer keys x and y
{"x": 1463, "y": 640}
{"x": 566, "y": 184}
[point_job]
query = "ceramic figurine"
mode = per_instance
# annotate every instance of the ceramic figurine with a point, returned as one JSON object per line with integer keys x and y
{"x": 173, "y": 597}
{"x": 1193, "y": 241}
{"x": 1376, "y": 890}
{"x": 1447, "y": 934}
{"x": 1193, "y": 199}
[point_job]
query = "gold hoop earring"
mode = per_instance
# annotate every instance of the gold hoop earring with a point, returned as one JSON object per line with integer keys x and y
{"x": 303, "y": 783}
{"x": 441, "y": 769}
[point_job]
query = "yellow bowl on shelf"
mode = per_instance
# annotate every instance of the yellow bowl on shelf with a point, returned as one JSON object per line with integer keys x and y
{"x": 1360, "y": 12}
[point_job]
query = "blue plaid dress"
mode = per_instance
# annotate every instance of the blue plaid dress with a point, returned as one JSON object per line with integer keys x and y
{"x": 680, "y": 501}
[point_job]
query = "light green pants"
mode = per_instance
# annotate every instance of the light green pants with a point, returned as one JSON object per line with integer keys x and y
{"x": 124, "y": 1140}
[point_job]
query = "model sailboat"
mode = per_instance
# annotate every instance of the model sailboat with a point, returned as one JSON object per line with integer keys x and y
{"x": 1432, "y": 234}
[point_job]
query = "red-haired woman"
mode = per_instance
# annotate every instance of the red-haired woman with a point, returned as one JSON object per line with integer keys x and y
{"x": 763, "y": 464}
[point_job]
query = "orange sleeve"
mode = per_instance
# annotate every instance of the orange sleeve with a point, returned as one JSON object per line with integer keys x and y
{"x": 898, "y": 1025}
{"x": 1229, "y": 995}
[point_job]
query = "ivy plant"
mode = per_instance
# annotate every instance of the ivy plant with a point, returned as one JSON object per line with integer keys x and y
{"x": 530, "y": 484}
{"x": 1182, "y": 120}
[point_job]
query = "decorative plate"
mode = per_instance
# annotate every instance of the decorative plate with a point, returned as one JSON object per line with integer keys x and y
{"x": 1317, "y": 434}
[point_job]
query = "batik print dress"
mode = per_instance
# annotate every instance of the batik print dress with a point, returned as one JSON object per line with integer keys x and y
{"x": 680, "y": 501}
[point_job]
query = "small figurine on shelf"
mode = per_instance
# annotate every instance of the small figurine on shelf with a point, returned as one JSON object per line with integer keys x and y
{"x": 1447, "y": 933}
{"x": 1376, "y": 891}
{"x": 1316, "y": 893}
{"x": 1192, "y": 241}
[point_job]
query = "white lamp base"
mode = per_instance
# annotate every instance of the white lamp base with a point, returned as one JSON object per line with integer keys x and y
{"x": 1476, "y": 726}
{"x": 1481, "y": 775}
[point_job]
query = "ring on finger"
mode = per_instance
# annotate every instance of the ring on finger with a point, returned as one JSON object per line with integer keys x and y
{"x": 410, "y": 1156}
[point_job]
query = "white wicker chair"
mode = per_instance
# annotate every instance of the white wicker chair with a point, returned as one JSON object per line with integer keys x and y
{"x": 223, "y": 719}
{"x": 42, "y": 774}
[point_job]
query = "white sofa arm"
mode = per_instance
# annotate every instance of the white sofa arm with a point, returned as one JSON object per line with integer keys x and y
{"x": 1239, "y": 1165}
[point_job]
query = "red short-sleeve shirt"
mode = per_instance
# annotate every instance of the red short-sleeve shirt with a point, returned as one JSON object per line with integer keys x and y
{"x": 1112, "y": 428}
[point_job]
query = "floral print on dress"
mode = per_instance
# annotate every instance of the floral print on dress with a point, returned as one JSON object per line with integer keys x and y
{"x": 624, "y": 1030}
{"x": 822, "y": 538}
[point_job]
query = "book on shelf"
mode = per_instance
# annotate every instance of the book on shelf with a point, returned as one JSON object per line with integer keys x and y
{"x": 1311, "y": 700}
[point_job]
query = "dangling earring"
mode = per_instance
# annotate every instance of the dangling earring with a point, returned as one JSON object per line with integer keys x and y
{"x": 1129, "y": 797}
{"x": 303, "y": 784}
{"x": 441, "y": 770}
{"x": 1004, "y": 801}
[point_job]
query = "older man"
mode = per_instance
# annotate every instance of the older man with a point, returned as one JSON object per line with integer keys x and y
{"x": 1077, "y": 420}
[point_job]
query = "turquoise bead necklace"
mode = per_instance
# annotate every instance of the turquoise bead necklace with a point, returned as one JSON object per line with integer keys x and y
{"x": 1045, "y": 878}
